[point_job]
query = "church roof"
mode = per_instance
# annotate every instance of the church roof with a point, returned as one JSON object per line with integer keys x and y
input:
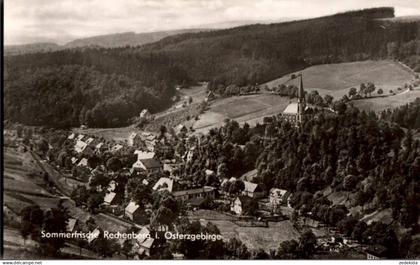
{"x": 292, "y": 108}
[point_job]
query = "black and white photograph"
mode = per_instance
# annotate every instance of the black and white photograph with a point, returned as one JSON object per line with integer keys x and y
{"x": 283, "y": 130}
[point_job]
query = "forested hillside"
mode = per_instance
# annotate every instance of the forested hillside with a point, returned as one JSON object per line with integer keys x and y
{"x": 242, "y": 56}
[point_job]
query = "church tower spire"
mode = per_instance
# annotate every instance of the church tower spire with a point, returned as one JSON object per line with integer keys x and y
{"x": 301, "y": 101}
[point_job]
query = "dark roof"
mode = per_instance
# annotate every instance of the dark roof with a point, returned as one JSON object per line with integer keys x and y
{"x": 151, "y": 163}
{"x": 193, "y": 191}
{"x": 197, "y": 201}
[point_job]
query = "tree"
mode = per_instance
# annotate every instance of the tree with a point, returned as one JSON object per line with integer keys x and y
{"x": 31, "y": 221}
{"x": 42, "y": 146}
{"x": 362, "y": 89}
{"x": 370, "y": 88}
{"x": 380, "y": 91}
{"x": 127, "y": 248}
{"x": 138, "y": 192}
{"x": 352, "y": 92}
{"x": 328, "y": 99}
{"x": 236, "y": 249}
{"x": 307, "y": 243}
{"x": 105, "y": 247}
{"x": 288, "y": 249}
{"x": 55, "y": 221}
{"x": 260, "y": 254}
{"x": 80, "y": 195}
{"x": 236, "y": 187}
{"x": 113, "y": 164}
{"x": 95, "y": 199}
{"x": 251, "y": 207}
{"x": 163, "y": 216}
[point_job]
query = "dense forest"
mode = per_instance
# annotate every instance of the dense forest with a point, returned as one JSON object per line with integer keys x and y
{"x": 241, "y": 56}
{"x": 407, "y": 116}
{"x": 374, "y": 163}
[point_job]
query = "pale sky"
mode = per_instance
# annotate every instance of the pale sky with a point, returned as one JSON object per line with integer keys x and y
{"x": 60, "y": 21}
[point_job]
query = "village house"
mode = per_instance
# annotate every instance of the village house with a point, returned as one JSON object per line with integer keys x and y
{"x": 100, "y": 148}
{"x": 145, "y": 114}
{"x": 279, "y": 197}
{"x": 210, "y": 97}
{"x": 80, "y": 137}
{"x": 171, "y": 167}
{"x": 89, "y": 140}
{"x": 253, "y": 190}
{"x": 203, "y": 192}
{"x": 191, "y": 154}
{"x": 144, "y": 155}
{"x": 116, "y": 148}
{"x": 250, "y": 175}
{"x": 224, "y": 183}
{"x": 135, "y": 214}
{"x": 112, "y": 198}
{"x": 150, "y": 165}
{"x": 145, "y": 242}
{"x": 149, "y": 140}
{"x": 93, "y": 235}
{"x": 134, "y": 139}
{"x": 239, "y": 204}
{"x": 181, "y": 130}
{"x": 83, "y": 163}
{"x": 71, "y": 136}
{"x": 73, "y": 160}
{"x": 71, "y": 225}
{"x": 209, "y": 172}
{"x": 80, "y": 146}
{"x": 164, "y": 184}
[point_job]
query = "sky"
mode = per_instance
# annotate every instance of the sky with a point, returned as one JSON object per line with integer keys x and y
{"x": 60, "y": 21}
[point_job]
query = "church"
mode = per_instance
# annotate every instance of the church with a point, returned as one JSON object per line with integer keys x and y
{"x": 294, "y": 112}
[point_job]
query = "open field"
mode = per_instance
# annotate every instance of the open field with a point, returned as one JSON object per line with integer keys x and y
{"x": 258, "y": 237}
{"x": 254, "y": 237}
{"x": 198, "y": 93}
{"x": 380, "y": 104}
{"x": 251, "y": 109}
{"x": 336, "y": 79}
{"x": 110, "y": 134}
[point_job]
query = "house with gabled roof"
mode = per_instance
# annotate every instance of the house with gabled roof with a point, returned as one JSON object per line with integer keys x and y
{"x": 145, "y": 114}
{"x": 116, "y": 148}
{"x": 135, "y": 139}
{"x": 145, "y": 242}
{"x": 149, "y": 165}
{"x": 71, "y": 224}
{"x": 184, "y": 195}
{"x": 276, "y": 197}
{"x": 73, "y": 160}
{"x": 239, "y": 205}
{"x": 80, "y": 146}
{"x": 144, "y": 155}
{"x": 83, "y": 163}
{"x": 253, "y": 190}
{"x": 100, "y": 148}
{"x": 209, "y": 172}
{"x": 80, "y": 137}
{"x": 93, "y": 235}
{"x": 112, "y": 198}
{"x": 71, "y": 136}
{"x": 135, "y": 213}
{"x": 181, "y": 129}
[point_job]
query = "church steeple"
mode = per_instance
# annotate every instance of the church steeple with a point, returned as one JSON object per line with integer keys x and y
{"x": 301, "y": 101}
